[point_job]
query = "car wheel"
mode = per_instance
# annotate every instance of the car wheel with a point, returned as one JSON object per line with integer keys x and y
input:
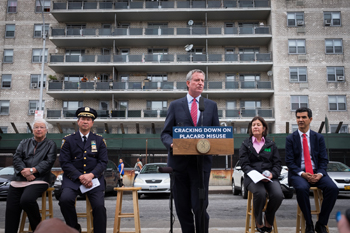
{"x": 234, "y": 190}
{"x": 139, "y": 195}
{"x": 288, "y": 195}
{"x": 243, "y": 191}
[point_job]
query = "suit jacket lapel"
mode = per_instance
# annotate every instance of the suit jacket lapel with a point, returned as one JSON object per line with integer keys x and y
{"x": 79, "y": 140}
{"x": 312, "y": 145}
{"x": 186, "y": 109}
{"x": 88, "y": 141}
{"x": 298, "y": 143}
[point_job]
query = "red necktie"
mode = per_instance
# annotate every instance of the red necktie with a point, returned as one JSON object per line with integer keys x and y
{"x": 307, "y": 158}
{"x": 194, "y": 111}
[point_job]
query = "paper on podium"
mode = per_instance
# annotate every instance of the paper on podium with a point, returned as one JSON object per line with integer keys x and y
{"x": 257, "y": 176}
{"x": 95, "y": 183}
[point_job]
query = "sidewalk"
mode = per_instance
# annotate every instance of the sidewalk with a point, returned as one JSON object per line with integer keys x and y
{"x": 211, "y": 230}
{"x": 220, "y": 189}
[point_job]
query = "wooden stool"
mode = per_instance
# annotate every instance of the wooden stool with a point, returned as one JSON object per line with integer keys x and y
{"x": 118, "y": 210}
{"x": 88, "y": 216}
{"x": 250, "y": 225}
{"x": 318, "y": 198}
{"x": 44, "y": 212}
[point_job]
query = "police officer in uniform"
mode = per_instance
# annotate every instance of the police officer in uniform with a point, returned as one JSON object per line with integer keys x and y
{"x": 83, "y": 157}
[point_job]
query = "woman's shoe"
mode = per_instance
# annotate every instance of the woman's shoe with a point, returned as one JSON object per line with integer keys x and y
{"x": 262, "y": 229}
{"x": 267, "y": 229}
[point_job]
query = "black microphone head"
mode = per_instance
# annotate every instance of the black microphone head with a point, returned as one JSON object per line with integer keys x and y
{"x": 201, "y": 104}
{"x": 165, "y": 169}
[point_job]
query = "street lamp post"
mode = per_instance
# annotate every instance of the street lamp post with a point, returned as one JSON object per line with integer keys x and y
{"x": 42, "y": 61}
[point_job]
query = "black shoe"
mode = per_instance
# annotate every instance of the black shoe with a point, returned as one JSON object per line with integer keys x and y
{"x": 267, "y": 229}
{"x": 320, "y": 228}
{"x": 262, "y": 230}
{"x": 309, "y": 229}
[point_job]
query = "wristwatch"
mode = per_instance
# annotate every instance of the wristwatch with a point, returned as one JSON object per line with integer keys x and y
{"x": 31, "y": 170}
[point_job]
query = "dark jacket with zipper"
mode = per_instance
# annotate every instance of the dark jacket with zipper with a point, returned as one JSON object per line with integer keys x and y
{"x": 268, "y": 158}
{"x": 43, "y": 158}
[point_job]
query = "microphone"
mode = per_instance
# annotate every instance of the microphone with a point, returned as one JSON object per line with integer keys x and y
{"x": 165, "y": 170}
{"x": 201, "y": 104}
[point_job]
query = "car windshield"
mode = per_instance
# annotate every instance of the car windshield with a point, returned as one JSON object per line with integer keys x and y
{"x": 151, "y": 168}
{"x": 337, "y": 167}
{"x": 7, "y": 171}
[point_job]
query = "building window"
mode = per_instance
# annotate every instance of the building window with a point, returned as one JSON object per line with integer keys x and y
{"x": 37, "y": 55}
{"x": 11, "y": 6}
{"x": 35, "y": 81}
{"x": 337, "y": 102}
{"x": 295, "y": 19}
{"x": 343, "y": 128}
{"x": 104, "y": 105}
{"x": 332, "y": 19}
{"x": 3, "y": 129}
{"x": 4, "y": 107}
{"x": 298, "y": 101}
{"x": 34, "y": 105}
{"x": 72, "y": 105}
{"x": 334, "y": 46}
{"x": 230, "y": 77}
{"x": 6, "y": 81}
{"x": 157, "y": 77}
{"x": 294, "y": 127}
{"x": 8, "y": 55}
{"x": 73, "y": 78}
{"x": 230, "y": 105}
{"x": 297, "y": 74}
{"x": 335, "y": 74}
{"x": 247, "y": 104}
{"x": 157, "y": 105}
{"x": 42, "y": 6}
{"x": 296, "y": 46}
{"x": 249, "y": 77}
{"x": 10, "y": 31}
{"x": 38, "y": 29}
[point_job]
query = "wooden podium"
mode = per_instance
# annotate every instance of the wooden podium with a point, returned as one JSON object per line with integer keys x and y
{"x": 206, "y": 140}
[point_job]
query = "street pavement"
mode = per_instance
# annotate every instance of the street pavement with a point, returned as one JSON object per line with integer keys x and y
{"x": 227, "y": 213}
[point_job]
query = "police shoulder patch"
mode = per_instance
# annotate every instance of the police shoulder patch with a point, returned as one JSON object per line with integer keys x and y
{"x": 63, "y": 141}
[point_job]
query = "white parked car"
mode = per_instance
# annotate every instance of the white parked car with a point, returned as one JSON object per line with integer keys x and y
{"x": 151, "y": 181}
{"x": 340, "y": 174}
{"x": 238, "y": 182}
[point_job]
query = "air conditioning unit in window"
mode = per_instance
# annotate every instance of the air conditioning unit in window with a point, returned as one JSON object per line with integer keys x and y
{"x": 340, "y": 78}
{"x": 327, "y": 23}
{"x": 31, "y": 111}
{"x": 34, "y": 85}
{"x": 300, "y": 23}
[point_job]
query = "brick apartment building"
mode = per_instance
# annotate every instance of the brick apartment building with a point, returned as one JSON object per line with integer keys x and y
{"x": 128, "y": 59}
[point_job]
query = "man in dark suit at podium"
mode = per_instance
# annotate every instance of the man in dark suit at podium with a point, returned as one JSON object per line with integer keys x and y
{"x": 185, "y": 112}
{"x": 307, "y": 160}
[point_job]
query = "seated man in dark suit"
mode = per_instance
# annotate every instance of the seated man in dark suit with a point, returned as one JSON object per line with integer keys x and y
{"x": 185, "y": 112}
{"x": 307, "y": 160}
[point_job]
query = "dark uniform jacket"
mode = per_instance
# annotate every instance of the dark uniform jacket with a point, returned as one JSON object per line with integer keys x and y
{"x": 267, "y": 159}
{"x": 43, "y": 158}
{"x": 76, "y": 160}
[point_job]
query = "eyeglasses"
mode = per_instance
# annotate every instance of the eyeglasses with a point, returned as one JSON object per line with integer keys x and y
{"x": 39, "y": 127}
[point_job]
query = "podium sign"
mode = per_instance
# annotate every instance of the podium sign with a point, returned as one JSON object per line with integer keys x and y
{"x": 206, "y": 140}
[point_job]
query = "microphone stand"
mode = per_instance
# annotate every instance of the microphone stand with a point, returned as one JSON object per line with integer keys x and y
{"x": 201, "y": 189}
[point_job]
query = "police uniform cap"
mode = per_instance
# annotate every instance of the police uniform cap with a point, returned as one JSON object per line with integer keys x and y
{"x": 86, "y": 112}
